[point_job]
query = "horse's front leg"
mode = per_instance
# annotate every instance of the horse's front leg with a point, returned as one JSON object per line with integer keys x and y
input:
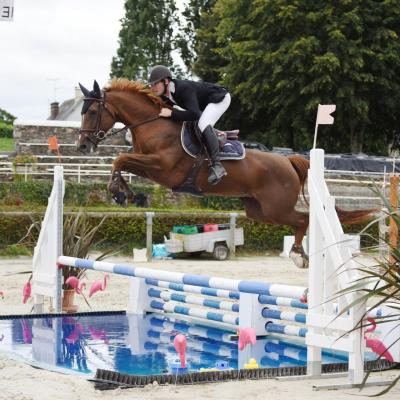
{"x": 137, "y": 164}
{"x": 120, "y": 190}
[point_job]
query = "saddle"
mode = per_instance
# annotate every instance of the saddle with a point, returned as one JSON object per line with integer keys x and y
{"x": 229, "y": 145}
{"x": 224, "y": 136}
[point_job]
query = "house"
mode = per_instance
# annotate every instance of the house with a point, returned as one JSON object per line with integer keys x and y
{"x": 69, "y": 110}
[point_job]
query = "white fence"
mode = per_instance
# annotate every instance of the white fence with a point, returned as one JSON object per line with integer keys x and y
{"x": 331, "y": 269}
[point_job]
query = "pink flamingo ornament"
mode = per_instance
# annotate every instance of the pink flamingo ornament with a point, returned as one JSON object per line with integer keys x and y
{"x": 180, "y": 347}
{"x": 376, "y": 345}
{"x": 98, "y": 285}
{"x": 246, "y": 336}
{"x": 26, "y": 292}
{"x": 76, "y": 284}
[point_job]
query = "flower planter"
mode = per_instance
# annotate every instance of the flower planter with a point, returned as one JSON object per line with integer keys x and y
{"x": 68, "y": 305}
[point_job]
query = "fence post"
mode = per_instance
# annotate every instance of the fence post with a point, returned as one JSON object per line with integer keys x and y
{"x": 149, "y": 235}
{"x": 232, "y": 228}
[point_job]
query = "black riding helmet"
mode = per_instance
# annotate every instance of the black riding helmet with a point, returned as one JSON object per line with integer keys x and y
{"x": 159, "y": 72}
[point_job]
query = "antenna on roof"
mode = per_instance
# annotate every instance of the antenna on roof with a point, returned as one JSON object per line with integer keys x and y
{"x": 55, "y": 86}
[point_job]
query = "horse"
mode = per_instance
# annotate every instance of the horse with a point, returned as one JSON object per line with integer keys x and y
{"x": 268, "y": 184}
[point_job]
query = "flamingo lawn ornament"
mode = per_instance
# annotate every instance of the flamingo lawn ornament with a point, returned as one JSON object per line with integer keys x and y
{"x": 98, "y": 285}
{"x": 180, "y": 347}
{"x": 376, "y": 345}
{"x": 26, "y": 292}
{"x": 246, "y": 336}
{"x": 76, "y": 284}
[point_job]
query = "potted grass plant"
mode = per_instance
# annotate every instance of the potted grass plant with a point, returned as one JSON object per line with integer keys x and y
{"x": 80, "y": 237}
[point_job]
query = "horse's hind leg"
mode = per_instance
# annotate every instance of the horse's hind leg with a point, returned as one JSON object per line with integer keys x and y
{"x": 297, "y": 220}
{"x": 297, "y": 253}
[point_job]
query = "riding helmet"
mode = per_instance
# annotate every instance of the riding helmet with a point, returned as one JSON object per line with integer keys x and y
{"x": 159, "y": 72}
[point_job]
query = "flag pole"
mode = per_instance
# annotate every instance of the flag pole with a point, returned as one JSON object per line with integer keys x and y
{"x": 315, "y": 134}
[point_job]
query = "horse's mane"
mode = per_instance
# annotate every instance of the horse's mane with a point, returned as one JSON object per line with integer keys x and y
{"x": 133, "y": 86}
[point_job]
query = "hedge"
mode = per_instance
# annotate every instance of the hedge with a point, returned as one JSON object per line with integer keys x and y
{"x": 92, "y": 194}
{"x": 132, "y": 230}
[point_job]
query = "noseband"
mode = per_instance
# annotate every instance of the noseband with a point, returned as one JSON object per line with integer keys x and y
{"x": 96, "y": 135}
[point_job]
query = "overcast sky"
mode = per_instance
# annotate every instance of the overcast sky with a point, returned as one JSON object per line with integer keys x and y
{"x": 51, "y": 46}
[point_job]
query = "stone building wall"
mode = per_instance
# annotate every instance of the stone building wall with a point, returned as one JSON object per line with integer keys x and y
{"x": 28, "y": 137}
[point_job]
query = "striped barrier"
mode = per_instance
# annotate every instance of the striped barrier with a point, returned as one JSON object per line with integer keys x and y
{"x": 230, "y": 302}
{"x": 244, "y": 286}
{"x": 241, "y": 304}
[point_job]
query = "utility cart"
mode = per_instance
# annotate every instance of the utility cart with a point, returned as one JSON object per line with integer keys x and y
{"x": 211, "y": 238}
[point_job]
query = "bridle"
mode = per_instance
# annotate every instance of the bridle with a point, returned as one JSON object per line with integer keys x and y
{"x": 96, "y": 135}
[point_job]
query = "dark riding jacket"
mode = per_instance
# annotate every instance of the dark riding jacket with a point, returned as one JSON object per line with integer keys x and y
{"x": 194, "y": 98}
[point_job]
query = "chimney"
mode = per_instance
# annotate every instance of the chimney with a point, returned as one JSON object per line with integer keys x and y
{"x": 54, "y": 110}
{"x": 78, "y": 93}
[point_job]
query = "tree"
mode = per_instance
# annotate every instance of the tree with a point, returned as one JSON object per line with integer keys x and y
{"x": 6, "y": 124}
{"x": 6, "y": 117}
{"x": 284, "y": 57}
{"x": 146, "y": 38}
{"x": 197, "y": 39}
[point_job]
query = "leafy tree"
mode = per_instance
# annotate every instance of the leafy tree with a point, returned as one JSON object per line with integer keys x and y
{"x": 6, "y": 124}
{"x": 146, "y": 38}
{"x": 284, "y": 57}
{"x": 6, "y": 117}
{"x": 197, "y": 39}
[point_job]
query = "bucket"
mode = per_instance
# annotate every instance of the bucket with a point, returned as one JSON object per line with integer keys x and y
{"x": 190, "y": 230}
{"x": 210, "y": 227}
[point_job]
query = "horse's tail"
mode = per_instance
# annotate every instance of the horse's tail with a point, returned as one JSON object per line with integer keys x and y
{"x": 301, "y": 165}
{"x": 355, "y": 216}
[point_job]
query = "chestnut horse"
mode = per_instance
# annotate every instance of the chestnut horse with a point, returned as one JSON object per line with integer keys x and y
{"x": 268, "y": 184}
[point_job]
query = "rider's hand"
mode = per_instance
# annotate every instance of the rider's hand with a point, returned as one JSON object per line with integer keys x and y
{"x": 165, "y": 112}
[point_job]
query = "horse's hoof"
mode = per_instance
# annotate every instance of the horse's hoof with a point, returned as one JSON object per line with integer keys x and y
{"x": 298, "y": 260}
{"x": 121, "y": 199}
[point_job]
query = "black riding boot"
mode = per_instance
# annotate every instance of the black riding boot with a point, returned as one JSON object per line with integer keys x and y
{"x": 216, "y": 171}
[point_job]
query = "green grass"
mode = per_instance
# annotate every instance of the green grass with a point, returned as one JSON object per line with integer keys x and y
{"x": 6, "y": 144}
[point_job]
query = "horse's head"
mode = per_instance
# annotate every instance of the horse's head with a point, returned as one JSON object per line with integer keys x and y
{"x": 97, "y": 119}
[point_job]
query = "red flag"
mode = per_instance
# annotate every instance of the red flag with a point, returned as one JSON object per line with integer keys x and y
{"x": 52, "y": 141}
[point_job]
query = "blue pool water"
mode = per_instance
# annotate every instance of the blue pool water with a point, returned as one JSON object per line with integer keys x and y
{"x": 137, "y": 345}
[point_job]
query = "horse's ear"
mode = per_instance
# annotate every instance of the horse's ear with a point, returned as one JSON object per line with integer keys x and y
{"x": 85, "y": 91}
{"x": 96, "y": 90}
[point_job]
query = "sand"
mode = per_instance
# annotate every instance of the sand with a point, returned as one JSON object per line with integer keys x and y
{"x": 22, "y": 382}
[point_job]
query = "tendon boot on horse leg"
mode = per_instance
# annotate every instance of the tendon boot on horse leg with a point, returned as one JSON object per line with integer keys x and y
{"x": 216, "y": 170}
{"x": 120, "y": 189}
{"x": 298, "y": 256}
{"x": 297, "y": 253}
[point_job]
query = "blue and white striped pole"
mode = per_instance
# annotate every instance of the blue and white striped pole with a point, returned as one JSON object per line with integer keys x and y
{"x": 200, "y": 301}
{"x": 245, "y": 286}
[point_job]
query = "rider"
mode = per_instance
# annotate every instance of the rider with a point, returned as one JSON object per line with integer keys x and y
{"x": 201, "y": 101}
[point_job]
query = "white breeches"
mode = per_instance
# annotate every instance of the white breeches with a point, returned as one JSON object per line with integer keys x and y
{"x": 213, "y": 112}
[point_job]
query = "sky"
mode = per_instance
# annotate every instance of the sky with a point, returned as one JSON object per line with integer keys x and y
{"x": 51, "y": 46}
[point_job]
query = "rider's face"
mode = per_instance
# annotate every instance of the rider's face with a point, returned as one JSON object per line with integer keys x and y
{"x": 158, "y": 88}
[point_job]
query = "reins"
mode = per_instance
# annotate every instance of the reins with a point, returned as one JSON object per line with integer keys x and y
{"x": 100, "y": 134}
